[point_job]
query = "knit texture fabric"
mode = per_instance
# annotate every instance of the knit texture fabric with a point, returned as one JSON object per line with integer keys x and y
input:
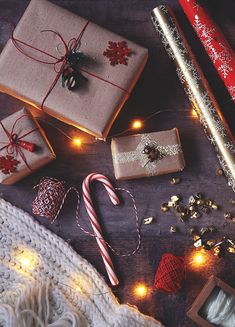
{"x": 43, "y": 282}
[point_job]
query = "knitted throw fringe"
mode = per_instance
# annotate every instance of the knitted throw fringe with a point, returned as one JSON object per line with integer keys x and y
{"x": 33, "y": 309}
{"x": 44, "y": 283}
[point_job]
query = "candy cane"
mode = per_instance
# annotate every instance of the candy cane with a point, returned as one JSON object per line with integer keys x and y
{"x": 94, "y": 220}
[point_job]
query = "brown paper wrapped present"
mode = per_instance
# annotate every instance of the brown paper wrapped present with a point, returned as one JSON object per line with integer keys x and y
{"x": 110, "y": 76}
{"x": 145, "y": 155}
{"x": 24, "y": 147}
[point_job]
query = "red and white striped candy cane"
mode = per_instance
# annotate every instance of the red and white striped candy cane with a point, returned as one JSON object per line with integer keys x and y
{"x": 94, "y": 220}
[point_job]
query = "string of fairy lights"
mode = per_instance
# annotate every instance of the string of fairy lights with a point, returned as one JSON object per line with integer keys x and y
{"x": 28, "y": 260}
{"x": 196, "y": 260}
{"x": 135, "y": 125}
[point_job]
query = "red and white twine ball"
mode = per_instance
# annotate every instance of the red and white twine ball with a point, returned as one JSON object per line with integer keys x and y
{"x": 50, "y": 197}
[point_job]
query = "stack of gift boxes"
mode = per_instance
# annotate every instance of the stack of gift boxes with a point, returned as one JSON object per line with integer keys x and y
{"x": 81, "y": 74}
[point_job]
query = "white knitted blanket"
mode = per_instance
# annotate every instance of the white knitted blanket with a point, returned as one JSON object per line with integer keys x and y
{"x": 43, "y": 282}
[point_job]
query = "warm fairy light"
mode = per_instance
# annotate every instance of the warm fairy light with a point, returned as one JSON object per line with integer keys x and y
{"x": 27, "y": 260}
{"x": 78, "y": 289}
{"x": 137, "y": 124}
{"x": 80, "y": 282}
{"x": 77, "y": 141}
{"x": 200, "y": 258}
{"x": 141, "y": 290}
{"x": 194, "y": 113}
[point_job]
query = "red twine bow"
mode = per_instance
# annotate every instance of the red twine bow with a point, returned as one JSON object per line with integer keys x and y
{"x": 72, "y": 45}
{"x": 170, "y": 273}
{"x": 16, "y": 142}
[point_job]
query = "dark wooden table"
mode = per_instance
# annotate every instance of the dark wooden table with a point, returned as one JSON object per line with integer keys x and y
{"x": 158, "y": 88}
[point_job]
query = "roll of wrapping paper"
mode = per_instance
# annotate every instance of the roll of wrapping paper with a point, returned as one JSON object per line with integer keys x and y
{"x": 214, "y": 42}
{"x": 197, "y": 89}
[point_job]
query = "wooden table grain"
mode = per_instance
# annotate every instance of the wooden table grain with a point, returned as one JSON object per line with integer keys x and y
{"x": 157, "y": 89}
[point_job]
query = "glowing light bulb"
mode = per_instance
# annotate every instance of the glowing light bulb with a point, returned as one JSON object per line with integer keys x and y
{"x": 27, "y": 260}
{"x": 77, "y": 141}
{"x": 200, "y": 259}
{"x": 141, "y": 290}
{"x": 137, "y": 124}
{"x": 194, "y": 113}
{"x": 78, "y": 289}
{"x": 79, "y": 283}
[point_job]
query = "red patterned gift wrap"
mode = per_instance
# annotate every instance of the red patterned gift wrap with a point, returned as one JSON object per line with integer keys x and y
{"x": 214, "y": 42}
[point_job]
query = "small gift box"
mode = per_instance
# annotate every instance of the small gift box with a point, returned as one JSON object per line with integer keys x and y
{"x": 71, "y": 68}
{"x": 24, "y": 147}
{"x": 215, "y": 305}
{"x": 145, "y": 155}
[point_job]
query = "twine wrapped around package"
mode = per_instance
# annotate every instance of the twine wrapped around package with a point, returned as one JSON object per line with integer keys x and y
{"x": 197, "y": 89}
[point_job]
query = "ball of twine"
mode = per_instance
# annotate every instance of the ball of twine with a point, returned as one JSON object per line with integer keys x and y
{"x": 50, "y": 198}
{"x": 170, "y": 273}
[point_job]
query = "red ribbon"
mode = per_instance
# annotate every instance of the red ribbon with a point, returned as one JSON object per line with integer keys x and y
{"x": 71, "y": 46}
{"x": 16, "y": 143}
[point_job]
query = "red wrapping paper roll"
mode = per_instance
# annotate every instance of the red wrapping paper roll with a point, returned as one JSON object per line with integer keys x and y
{"x": 214, "y": 42}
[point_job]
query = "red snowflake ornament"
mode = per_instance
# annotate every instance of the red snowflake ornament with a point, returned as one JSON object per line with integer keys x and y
{"x": 8, "y": 164}
{"x": 118, "y": 53}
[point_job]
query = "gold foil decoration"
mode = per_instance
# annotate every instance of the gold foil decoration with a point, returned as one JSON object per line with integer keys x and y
{"x": 197, "y": 89}
{"x": 148, "y": 221}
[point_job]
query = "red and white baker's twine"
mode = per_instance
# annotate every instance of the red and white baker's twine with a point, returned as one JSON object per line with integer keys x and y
{"x": 50, "y": 200}
{"x": 51, "y": 197}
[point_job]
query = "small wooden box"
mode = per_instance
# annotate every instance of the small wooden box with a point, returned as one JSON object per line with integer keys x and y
{"x": 194, "y": 312}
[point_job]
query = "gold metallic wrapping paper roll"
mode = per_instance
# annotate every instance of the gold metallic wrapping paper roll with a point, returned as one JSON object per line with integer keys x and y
{"x": 197, "y": 89}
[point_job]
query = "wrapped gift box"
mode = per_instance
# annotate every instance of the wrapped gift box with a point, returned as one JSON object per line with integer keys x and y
{"x": 206, "y": 296}
{"x": 24, "y": 147}
{"x": 145, "y": 155}
{"x": 92, "y": 107}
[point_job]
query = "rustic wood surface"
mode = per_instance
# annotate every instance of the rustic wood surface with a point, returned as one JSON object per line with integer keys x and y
{"x": 158, "y": 88}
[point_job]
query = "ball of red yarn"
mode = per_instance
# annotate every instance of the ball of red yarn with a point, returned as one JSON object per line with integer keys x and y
{"x": 170, "y": 273}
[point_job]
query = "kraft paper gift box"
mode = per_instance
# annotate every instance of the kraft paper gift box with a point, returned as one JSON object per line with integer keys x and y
{"x": 133, "y": 155}
{"x": 24, "y": 147}
{"x": 92, "y": 107}
{"x": 214, "y": 284}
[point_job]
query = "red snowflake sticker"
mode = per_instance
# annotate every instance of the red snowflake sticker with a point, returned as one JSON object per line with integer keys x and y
{"x": 118, "y": 53}
{"x": 8, "y": 164}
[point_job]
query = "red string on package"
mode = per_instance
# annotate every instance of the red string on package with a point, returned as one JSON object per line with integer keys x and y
{"x": 16, "y": 142}
{"x": 69, "y": 48}
{"x": 50, "y": 200}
